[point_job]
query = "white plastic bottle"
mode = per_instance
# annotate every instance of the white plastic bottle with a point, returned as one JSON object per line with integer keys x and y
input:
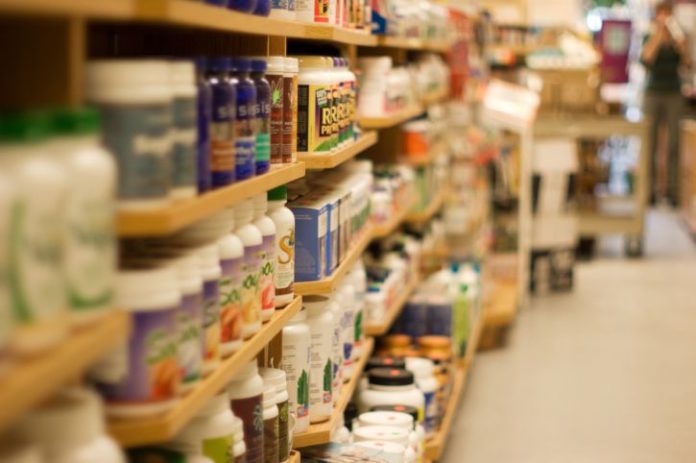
{"x": 231, "y": 263}
{"x": 251, "y": 270}
{"x": 346, "y": 294}
{"x": 321, "y": 324}
{"x": 209, "y": 258}
{"x": 246, "y": 398}
{"x": 315, "y": 90}
{"x": 277, "y": 378}
{"x": 295, "y": 362}
{"x": 423, "y": 370}
{"x": 268, "y": 234}
{"x": 271, "y": 430}
{"x": 184, "y": 171}
{"x": 358, "y": 278}
{"x": 337, "y": 347}
{"x": 284, "y": 221}
{"x": 390, "y": 386}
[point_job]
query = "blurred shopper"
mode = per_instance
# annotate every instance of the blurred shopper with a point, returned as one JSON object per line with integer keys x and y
{"x": 664, "y": 52}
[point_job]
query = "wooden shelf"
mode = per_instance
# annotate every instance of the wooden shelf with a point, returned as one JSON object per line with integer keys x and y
{"x": 502, "y": 307}
{"x": 178, "y": 215}
{"x": 385, "y": 229}
{"x": 30, "y": 382}
{"x": 432, "y": 209}
{"x": 331, "y": 160}
{"x": 391, "y": 120}
{"x": 414, "y": 44}
{"x": 104, "y": 9}
{"x": 329, "y": 284}
{"x": 141, "y": 431}
{"x": 378, "y": 329}
{"x": 435, "y": 97}
{"x": 295, "y": 457}
{"x": 321, "y": 433}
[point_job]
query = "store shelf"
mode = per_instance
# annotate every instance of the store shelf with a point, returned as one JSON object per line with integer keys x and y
{"x": 143, "y": 431}
{"x": 29, "y": 382}
{"x": 179, "y": 214}
{"x": 378, "y": 329}
{"x": 331, "y": 160}
{"x": 329, "y": 284}
{"x": 502, "y": 307}
{"x": 391, "y": 120}
{"x": 321, "y": 433}
{"x": 432, "y": 209}
{"x": 435, "y": 97}
{"x": 105, "y": 9}
{"x": 385, "y": 229}
{"x": 415, "y": 44}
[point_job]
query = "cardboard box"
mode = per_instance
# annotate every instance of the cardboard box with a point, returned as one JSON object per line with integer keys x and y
{"x": 311, "y": 223}
{"x": 552, "y": 270}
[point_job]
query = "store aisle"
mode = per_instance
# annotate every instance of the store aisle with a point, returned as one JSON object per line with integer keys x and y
{"x": 605, "y": 374}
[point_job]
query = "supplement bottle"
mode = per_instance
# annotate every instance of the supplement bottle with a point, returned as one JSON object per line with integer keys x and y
{"x": 337, "y": 346}
{"x": 211, "y": 272}
{"x": 284, "y": 269}
{"x": 314, "y": 105}
{"x": 244, "y": 6}
{"x": 263, "y": 8}
{"x": 423, "y": 370}
{"x": 358, "y": 278}
{"x": 387, "y": 434}
{"x": 271, "y": 431}
{"x": 348, "y": 99}
{"x": 239, "y": 445}
{"x": 231, "y": 251}
{"x": 296, "y": 363}
{"x": 390, "y": 451}
{"x": 263, "y": 115}
{"x": 245, "y": 140}
{"x": 135, "y": 101}
{"x": 223, "y": 126}
{"x": 321, "y": 326}
{"x": 277, "y": 378}
{"x": 184, "y": 176}
{"x": 395, "y": 419}
{"x": 246, "y": 397}
{"x": 346, "y": 295}
{"x": 89, "y": 250}
{"x": 274, "y": 73}
{"x": 204, "y": 114}
{"x": 391, "y": 386}
{"x": 251, "y": 269}
{"x": 290, "y": 82}
{"x": 336, "y": 102}
{"x": 268, "y": 233}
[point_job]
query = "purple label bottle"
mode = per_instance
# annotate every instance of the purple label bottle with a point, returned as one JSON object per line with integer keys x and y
{"x": 263, "y": 115}
{"x": 245, "y": 6}
{"x": 263, "y": 8}
{"x": 204, "y": 115}
{"x": 223, "y": 127}
{"x": 245, "y": 140}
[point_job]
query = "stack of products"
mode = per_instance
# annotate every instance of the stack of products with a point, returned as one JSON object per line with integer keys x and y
{"x": 393, "y": 191}
{"x": 410, "y": 19}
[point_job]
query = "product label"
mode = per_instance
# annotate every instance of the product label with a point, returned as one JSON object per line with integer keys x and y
{"x": 314, "y": 118}
{"x": 283, "y": 433}
{"x": 335, "y": 117}
{"x": 140, "y": 139}
{"x": 251, "y": 288}
{"x": 284, "y": 275}
{"x": 204, "y": 117}
{"x": 321, "y": 11}
{"x": 267, "y": 272}
{"x": 277, "y": 117}
{"x": 270, "y": 440}
{"x": 250, "y": 411}
{"x": 222, "y": 135}
{"x": 231, "y": 299}
{"x": 358, "y": 333}
{"x": 321, "y": 373}
{"x": 184, "y": 139}
{"x": 219, "y": 449}
{"x": 289, "y": 115}
{"x": 348, "y": 324}
{"x": 431, "y": 412}
{"x": 295, "y": 362}
{"x": 153, "y": 372}
{"x": 245, "y": 142}
{"x": 189, "y": 322}
{"x": 211, "y": 320}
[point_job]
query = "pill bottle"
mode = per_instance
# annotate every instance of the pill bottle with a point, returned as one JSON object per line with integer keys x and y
{"x": 271, "y": 420}
{"x": 423, "y": 370}
{"x": 211, "y": 272}
{"x": 321, "y": 325}
{"x": 390, "y": 451}
{"x": 268, "y": 233}
{"x": 346, "y": 295}
{"x": 246, "y": 396}
{"x": 39, "y": 184}
{"x": 349, "y": 97}
{"x": 244, "y": 6}
{"x": 239, "y": 445}
{"x": 391, "y": 386}
{"x": 135, "y": 101}
{"x": 337, "y": 346}
{"x": 223, "y": 126}
{"x": 296, "y": 364}
{"x": 70, "y": 428}
{"x": 394, "y": 419}
{"x": 373, "y": 86}
{"x": 263, "y": 115}
{"x": 184, "y": 176}
{"x": 284, "y": 250}
{"x": 277, "y": 378}
{"x": 252, "y": 239}
{"x": 263, "y": 8}
{"x": 245, "y": 140}
{"x": 358, "y": 278}
{"x": 315, "y": 101}
{"x": 396, "y": 435}
{"x": 204, "y": 114}
{"x": 290, "y": 107}
{"x": 275, "y": 72}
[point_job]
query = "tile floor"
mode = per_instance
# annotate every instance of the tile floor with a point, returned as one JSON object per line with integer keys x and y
{"x": 605, "y": 374}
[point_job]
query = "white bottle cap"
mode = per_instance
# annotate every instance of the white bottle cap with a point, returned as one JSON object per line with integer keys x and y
{"x": 382, "y": 433}
{"x": 291, "y": 64}
{"x": 218, "y": 404}
{"x": 183, "y": 78}
{"x": 249, "y": 370}
{"x": 260, "y": 205}
{"x": 209, "y": 258}
{"x": 275, "y": 377}
{"x": 276, "y": 64}
{"x": 155, "y": 288}
{"x": 380, "y": 418}
{"x": 269, "y": 396}
{"x": 420, "y": 367}
{"x": 128, "y": 81}
{"x": 244, "y": 212}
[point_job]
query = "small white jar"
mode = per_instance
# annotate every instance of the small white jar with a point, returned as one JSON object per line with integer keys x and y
{"x": 358, "y": 278}
{"x": 271, "y": 441}
{"x": 296, "y": 364}
{"x": 387, "y": 434}
{"x": 423, "y": 370}
{"x": 346, "y": 294}
{"x": 246, "y": 396}
{"x": 391, "y": 386}
{"x": 251, "y": 270}
{"x": 284, "y": 221}
{"x": 209, "y": 258}
{"x": 268, "y": 234}
{"x": 321, "y": 324}
{"x": 277, "y": 378}
{"x": 390, "y": 451}
{"x": 393, "y": 419}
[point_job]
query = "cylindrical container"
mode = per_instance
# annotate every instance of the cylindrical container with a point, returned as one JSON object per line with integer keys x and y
{"x": 337, "y": 346}
{"x": 239, "y": 445}
{"x": 358, "y": 278}
{"x": 268, "y": 233}
{"x": 251, "y": 269}
{"x": 346, "y": 295}
{"x": 245, "y": 6}
{"x": 245, "y": 141}
{"x": 151, "y": 294}
{"x": 223, "y": 127}
{"x": 271, "y": 431}
{"x": 204, "y": 114}
{"x": 423, "y": 370}
{"x": 395, "y": 419}
{"x": 396, "y": 345}
{"x": 89, "y": 251}
{"x": 263, "y": 8}
{"x": 135, "y": 100}
{"x": 284, "y": 268}
{"x": 321, "y": 324}
{"x": 263, "y": 115}
{"x": 385, "y": 362}
{"x": 376, "y": 305}
{"x": 390, "y": 386}
{"x": 315, "y": 104}
{"x": 277, "y": 379}
{"x": 275, "y": 74}
{"x": 209, "y": 258}
{"x": 390, "y": 451}
{"x": 246, "y": 396}
{"x": 231, "y": 251}
{"x": 70, "y": 429}
{"x": 184, "y": 175}
{"x": 296, "y": 363}
{"x": 290, "y": 105}
{"x": 384, "y": 434}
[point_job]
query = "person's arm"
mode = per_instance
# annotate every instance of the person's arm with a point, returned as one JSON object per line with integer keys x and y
{"x": 652, "y": 46}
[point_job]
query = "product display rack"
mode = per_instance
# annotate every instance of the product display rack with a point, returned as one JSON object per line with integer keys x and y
{"x": 412, "y": 43}
{"x": 316, "y": 161}
{"x": 433, "y": 208}
{"x": 320, "y": 433}
{"x": 392, "y": 119}
{"x": 141, "y": 431}
{"x": 393, "y": 311}
{"x": 30, "y": 382}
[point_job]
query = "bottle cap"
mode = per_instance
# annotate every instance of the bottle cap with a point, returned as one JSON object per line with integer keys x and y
{"x": 76, "y": 121}
{"x": 241, "y": 64}
{"x": 390, "y": 377}
{"x": 218, "y": 64}
{"x": 258, "y": 65}
{"x": 278, "y": 194}
{"x": 24, "y": 127}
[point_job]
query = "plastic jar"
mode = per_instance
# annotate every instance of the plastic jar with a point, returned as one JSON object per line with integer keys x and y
{"x": 245, "y": 140}
{"x": 346, "y": 295}
{"x": 211, "y": 430}
{"x": 39, "y": 185}
{"x": 135, "y": 99}
{"x": 223, "y": 125}
{"x": 251, "y": 269}
{"x": 391, "y": 386}
{"x": 423, "y": 370}
{"x": 275, "y": 74}
{"x": 284, "y": 246}
{"x": 337, "y": 347}
{"x": 270, "y": 425}
{"x": 395, "y": 419}
{"x": 245, "y": 6}
{"x": 296, "y": 364}
{"x": 263, "y": 8}
{"x": 389, "y": 451}
{"x": 277, "y": 378}
{"x": 263, "y": 115}
{"x": 184, "y": 164}
{"x": 70, "y": 429}
{"x": 396, "y": 435}
{"x": 211, "y": 272}
{"x": 358, "y": 278}
{"x": 268, "y": 234}
{"x": 89, "y": 251}
{"x": 246, "y": 396}
{"x": 321, "y": 324}
{"x": 204, "y": 109}
{"x": 13, "y": 450}
{"x": 315, "y": 95}
{"x": 290, "y": 105}
{"x": 239, "y": 445}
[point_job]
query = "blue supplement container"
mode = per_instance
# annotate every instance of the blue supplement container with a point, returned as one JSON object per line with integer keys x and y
{"x": 263, "y": 8}
{"x": 244, "y": 6}
{"x": 204, "y": 115}
{"x": 223, "y": 127}
{"x": 263, "y": 115}
{"x": 245, "y": 140}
